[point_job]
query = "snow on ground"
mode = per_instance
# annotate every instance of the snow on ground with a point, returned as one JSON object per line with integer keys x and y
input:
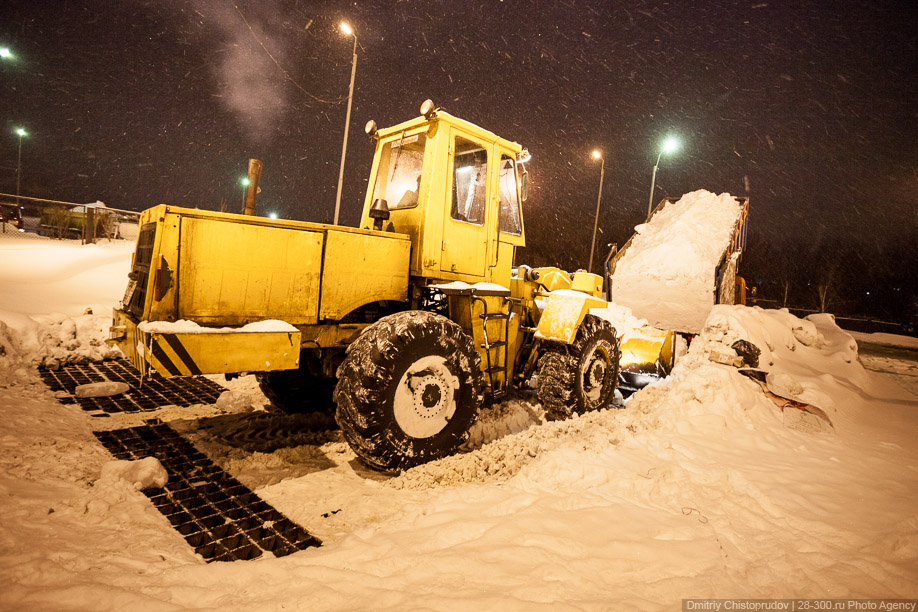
{"x": 695, "y": 489}
{"x": 886, "y": 339}
{"x": 666, "y": 275}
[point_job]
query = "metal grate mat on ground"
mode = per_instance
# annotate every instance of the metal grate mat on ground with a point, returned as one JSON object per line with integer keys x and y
{"x": 143, "y": 396}
{"x": 222, "y": 519}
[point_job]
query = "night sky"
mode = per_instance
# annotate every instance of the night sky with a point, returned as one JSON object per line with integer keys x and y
{"x": 809, "y": 107}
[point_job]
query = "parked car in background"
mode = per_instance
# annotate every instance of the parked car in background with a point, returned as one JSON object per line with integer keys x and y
{"x": 11, "y": 215}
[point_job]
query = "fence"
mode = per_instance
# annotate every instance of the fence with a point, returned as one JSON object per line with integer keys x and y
{"x": 39, "y": 219}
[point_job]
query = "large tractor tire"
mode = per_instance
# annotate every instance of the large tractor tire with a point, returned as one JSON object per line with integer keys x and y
{"x": 303, "y": 390}
{"x": 408, "y": 390}
{"x": 581, "y": 376}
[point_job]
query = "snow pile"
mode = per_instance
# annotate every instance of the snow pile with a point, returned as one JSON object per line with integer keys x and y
{"x": 77, "y": 284}
{"x": 789, "y": 346}
{"x": 627, "y": 326}
{"x": 62, "y": 276}
{"x": 27, "y": 342}
{"x": 667, "y": 274}
{"x": 501, "y": 420}
{"x": 141, "y": 474}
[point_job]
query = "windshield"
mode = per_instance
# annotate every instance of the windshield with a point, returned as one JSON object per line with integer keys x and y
{"x": 398, "y": 179}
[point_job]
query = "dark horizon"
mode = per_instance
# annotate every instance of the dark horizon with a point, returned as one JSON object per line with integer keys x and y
{"x": 807, "y": 109}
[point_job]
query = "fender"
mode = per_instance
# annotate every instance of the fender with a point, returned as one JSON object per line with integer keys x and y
{"x": 563, "y": 314}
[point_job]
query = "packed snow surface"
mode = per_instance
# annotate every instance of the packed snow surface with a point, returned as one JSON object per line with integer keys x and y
{"x": 667, "y": 273}
{"x": 696, "y": 489}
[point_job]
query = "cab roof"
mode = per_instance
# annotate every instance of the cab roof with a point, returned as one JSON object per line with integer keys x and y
{"x": 440, "y": 116}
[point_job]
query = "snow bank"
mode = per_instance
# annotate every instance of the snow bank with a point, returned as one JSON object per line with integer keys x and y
{"x": 62, "y": 276}
{"x": 77, "y": 284}
{"x": 667, "y": 273}
{"x": 27, "y": 342}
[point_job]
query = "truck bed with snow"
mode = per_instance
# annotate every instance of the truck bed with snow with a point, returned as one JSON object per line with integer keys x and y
{"x": 682, "y": 261}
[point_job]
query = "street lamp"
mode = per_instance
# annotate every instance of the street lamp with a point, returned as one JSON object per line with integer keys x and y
{"x": 670, "y": 145}
{"x": 19, "y": 132}
{"x": 5, "y": 53}
{"x": 597, "y": 154}
{"x": 350, "y": 98}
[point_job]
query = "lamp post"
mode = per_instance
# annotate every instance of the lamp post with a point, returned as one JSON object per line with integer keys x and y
{"x": 350, "y": 98}
{"x": 670, "y": 145}
{"x": 597, "y": 154}
{"x": 19, "y": 132}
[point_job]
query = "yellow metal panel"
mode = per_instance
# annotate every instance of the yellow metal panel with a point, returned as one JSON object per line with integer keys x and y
{"x": 363, "y": 268}
{"x": 236, "y": 273}
{"x": 647, "y": 349}
{"x": 563, "y": 314}
{"x": 554, "y": 278}
{"x": 165, "y": 245}
{"x": 217, "y": 353}
{"x": 588, "y": 283}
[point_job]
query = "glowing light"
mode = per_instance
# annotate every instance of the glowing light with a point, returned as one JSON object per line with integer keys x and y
{"x": 245, "y": 182}
{"x": 346, "y": 28}
{"x": 21, "y": 132}
{"x": 5, "y": 53}
{"x": 272, "y": 215}
{"x": 597, "y": 154}
{"x": 671, "y": 145}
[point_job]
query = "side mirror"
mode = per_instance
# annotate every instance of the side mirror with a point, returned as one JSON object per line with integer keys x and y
{"x": 524, "y": 185}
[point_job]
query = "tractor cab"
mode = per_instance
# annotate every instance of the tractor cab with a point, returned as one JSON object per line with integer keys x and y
{"x": 455, "y": 189}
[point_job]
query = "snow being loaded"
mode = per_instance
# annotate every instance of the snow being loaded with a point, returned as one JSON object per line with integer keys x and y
{"x": 667, "y": 274}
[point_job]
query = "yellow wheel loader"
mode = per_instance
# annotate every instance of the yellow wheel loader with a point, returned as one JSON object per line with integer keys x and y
{"x": 409, "y": 322}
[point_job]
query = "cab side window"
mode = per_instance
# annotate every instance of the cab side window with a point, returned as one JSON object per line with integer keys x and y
{"x": 509, "y": 219}
{"x": 470, "y": 173}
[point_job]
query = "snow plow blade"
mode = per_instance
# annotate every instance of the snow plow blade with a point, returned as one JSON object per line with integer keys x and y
{"x": 647, "y": 356}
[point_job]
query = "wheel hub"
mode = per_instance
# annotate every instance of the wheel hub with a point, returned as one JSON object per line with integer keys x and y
{"x": 431, "y": 396}
{"x": 594, "y": 372}
{"x": 424, "y": 399}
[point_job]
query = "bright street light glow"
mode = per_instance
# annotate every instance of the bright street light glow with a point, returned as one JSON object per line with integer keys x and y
{"x": 671, "y": 145}
{"x": 347, "y": 121}
{"x": 245, "y": 182}
{"x": 272, "y": 215}
{"x": 21, "y": 132}
{"x": 5, "y": 52}
{"x": 597, "y": 154}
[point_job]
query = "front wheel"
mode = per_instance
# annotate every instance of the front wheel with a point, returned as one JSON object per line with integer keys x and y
{"x": 408, "y": 390}
{"x": 581, "y": 376}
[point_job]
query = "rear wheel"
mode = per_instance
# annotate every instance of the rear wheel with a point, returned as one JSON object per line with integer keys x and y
{"x": 581, "y": 376}
{"x": 408, "y": 390}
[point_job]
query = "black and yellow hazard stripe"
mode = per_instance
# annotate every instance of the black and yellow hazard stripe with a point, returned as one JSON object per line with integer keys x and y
{"x": 170, "y": 356}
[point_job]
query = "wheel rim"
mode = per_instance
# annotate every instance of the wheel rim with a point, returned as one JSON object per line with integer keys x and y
{"x": 595, "y": 370}
{"x": 425, "y": 398}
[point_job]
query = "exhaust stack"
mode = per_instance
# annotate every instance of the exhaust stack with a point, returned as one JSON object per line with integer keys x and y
{"x": 254, "y": 176}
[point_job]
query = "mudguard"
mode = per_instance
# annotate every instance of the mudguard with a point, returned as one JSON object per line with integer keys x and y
{"x": 563, "y": 314}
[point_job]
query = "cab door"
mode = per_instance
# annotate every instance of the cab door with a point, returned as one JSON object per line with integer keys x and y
{"x": 465, "y": 236}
